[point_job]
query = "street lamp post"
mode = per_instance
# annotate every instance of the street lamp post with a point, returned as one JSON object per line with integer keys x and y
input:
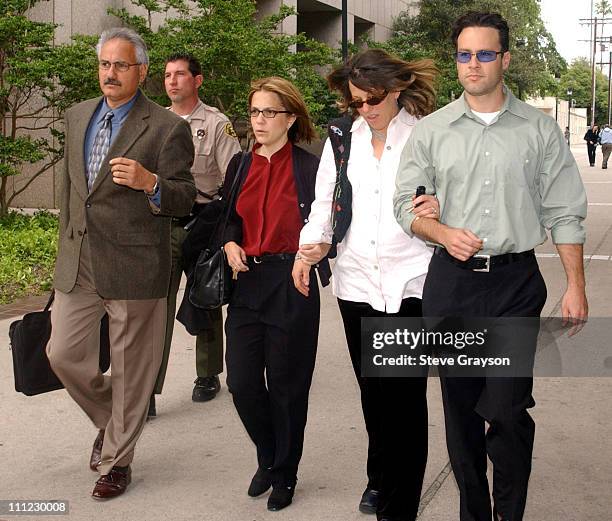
{"x": 569, "y": 114}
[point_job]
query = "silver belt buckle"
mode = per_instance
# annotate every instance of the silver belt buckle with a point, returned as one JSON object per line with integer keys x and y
{"x": 257, "y": 260}
{"x": 487, "y": 267}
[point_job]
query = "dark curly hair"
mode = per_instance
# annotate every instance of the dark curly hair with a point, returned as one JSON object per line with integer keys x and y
{"x": 375, "y": 70}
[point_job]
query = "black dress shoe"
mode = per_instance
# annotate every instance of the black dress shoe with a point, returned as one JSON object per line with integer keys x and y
{"x": 152, "y": 412}
{"x": 206, "y": 388}
{"x": 96, "y": 452}
{"x": 281, "y": 497}
{"x": 369, "y": 501}
{"x": 260, "y": 483}
{"x": 112, "y": 484}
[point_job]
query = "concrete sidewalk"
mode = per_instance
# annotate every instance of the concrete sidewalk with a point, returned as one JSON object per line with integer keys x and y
{"x": 194, "y": 461}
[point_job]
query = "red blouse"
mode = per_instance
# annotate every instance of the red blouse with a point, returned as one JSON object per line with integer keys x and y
{"x": 268, "y": 205}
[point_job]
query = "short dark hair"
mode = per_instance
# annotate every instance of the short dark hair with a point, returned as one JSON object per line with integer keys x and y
{"x": 483, "y": 19}
{"x": 192, "y": 62}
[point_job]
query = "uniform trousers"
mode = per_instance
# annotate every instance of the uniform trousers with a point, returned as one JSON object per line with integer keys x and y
{"x": 512, "y": 290}
{"x": 117, "y": 402}
{"x": 395, "y": 414}
{"x": 209, "y": 344}
{"x": 271, "y": 333}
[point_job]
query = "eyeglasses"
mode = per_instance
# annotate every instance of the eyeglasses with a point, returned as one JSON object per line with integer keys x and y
{"x": 267, "y": 113}
{"x": 119, "y": 66}
{"x": 481, "y": 56}
{"x": 372, "y": 101}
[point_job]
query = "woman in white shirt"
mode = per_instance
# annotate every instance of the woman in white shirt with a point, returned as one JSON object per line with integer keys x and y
{"x": 379, "y": 270}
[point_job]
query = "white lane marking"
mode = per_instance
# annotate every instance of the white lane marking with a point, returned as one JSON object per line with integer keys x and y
{"x": 600, "y": 204}
{"x": 586, "y": 257}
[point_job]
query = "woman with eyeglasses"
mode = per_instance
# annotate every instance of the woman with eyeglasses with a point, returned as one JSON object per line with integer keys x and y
{"x": 379, "y": 270}
{"x": 272, "y": 328}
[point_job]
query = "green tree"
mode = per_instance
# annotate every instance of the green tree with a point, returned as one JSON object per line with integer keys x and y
{"x": 535, "y": 60}
{"x": 37, "y": 83}
{"x": 234, "y": 48}
{"x": 578, "y": 78}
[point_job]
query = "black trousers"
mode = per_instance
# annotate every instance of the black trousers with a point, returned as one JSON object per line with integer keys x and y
{"x": 512, "y": 290}
{"x": 591, "y": 149}
{"x": 271, "y": 333}
{"x": 395, "y": 414}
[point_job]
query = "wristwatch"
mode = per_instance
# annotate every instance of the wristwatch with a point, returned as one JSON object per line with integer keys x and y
{"x": 155, "y": 188}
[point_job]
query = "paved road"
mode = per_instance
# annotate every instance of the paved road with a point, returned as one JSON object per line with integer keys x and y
{"x": 194, "y": 461}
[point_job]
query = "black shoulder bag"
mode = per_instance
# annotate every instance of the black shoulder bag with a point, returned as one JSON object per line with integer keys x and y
{"x": 29, "y": 337}
{"x": 212, "y": 276}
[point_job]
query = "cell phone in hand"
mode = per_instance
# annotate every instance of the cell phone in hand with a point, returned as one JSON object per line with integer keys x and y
{"x": 419, "y": 191}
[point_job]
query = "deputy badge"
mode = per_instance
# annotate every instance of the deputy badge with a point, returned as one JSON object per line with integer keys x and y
{"x": 200, "y": 133}
{"x": 229, "y": 130}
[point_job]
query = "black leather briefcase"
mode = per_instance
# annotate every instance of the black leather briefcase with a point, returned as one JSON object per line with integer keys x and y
{"x": 29, "y": 337}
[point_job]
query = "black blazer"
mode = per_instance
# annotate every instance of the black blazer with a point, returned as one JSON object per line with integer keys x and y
{"x": 305, "y": 167}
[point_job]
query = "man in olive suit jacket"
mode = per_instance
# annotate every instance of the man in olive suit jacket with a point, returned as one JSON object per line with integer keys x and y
{"x": 127, "y": 173}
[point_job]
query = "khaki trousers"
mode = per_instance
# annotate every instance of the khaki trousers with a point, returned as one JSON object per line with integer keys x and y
{"x": 117, "y": 403}
{"x": 606, "y": 149}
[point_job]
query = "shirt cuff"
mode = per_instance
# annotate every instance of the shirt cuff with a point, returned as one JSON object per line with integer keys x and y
{"x": 315, "y": 238}
{"x": 570, "y": 233}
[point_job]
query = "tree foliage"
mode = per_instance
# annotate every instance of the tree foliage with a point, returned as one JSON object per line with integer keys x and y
{"x": 578, "y": 78}
{"x": 535, "y": 60}
{"x": 38, "y": 81}
{"x": 233, "y": 47}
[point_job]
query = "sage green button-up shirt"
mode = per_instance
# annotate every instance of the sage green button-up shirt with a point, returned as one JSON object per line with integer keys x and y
{"x": 507, "y": 182}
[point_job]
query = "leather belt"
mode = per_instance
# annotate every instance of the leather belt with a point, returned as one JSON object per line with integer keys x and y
{"x": 484, "y": 263}
{"x": 270, "y": 257}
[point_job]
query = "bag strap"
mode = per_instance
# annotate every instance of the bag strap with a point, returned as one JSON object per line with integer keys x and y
{"x": 50, "y": 301}
{"x": 232, "y": 196}
{"x": 339, "y": 131}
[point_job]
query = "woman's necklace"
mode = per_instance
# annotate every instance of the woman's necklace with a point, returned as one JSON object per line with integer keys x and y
{"x": 378, "y": 135}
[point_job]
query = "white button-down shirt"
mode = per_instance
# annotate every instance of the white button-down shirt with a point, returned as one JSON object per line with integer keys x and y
{"x": 377, "y": 261}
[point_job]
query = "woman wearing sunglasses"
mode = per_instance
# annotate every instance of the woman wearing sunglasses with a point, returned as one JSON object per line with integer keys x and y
{"x": 271, "y": 328}
{"x": 379, "y": 270}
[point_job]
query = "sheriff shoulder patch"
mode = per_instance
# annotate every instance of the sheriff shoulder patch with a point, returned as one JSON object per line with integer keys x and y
{"x": 229, "y": 130}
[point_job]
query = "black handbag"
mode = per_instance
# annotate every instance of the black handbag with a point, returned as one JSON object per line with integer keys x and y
{"x": 28, "y": 341}
{"x": 212, "y": 276}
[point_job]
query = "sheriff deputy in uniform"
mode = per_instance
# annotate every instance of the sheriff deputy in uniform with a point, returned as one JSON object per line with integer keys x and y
{"x": 215, "y": 144}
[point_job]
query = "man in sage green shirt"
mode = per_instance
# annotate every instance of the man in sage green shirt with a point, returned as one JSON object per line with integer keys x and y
{"x": 503, "y": 176}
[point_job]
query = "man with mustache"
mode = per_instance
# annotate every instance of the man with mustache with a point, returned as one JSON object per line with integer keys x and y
{"x": 126, "y": 174}
{"x": 503, "y": 175}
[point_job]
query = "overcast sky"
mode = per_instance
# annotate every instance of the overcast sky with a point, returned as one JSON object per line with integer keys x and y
{"x": 562, "y": 19}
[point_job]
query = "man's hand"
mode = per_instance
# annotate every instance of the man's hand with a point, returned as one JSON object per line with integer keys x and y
{"x": 460, "y": 243}
{"x": 301, "y": 276}
{"x": 236, "y": 257}
{"x": 574, "y": 309}
{"x": 574, "y": 305}
{"x": 130, "y": 173}
{"x": 313, "y": 253}
{"x": 425, "y": 206}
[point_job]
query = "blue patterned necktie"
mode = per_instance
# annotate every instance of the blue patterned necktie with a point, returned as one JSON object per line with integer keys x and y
{"x": 99, "y": 150}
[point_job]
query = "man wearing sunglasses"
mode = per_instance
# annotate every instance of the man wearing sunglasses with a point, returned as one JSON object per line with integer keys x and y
{"x": 503, "y": 175}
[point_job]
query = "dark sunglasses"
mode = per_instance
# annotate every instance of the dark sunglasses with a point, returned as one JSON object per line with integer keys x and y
{"x": 372, "y": 101}
{"x": 481, "y": 56}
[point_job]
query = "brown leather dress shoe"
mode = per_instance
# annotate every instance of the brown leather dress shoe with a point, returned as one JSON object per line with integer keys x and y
{"x": 96, "y": 452}
{"x": 112, "y": 484}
